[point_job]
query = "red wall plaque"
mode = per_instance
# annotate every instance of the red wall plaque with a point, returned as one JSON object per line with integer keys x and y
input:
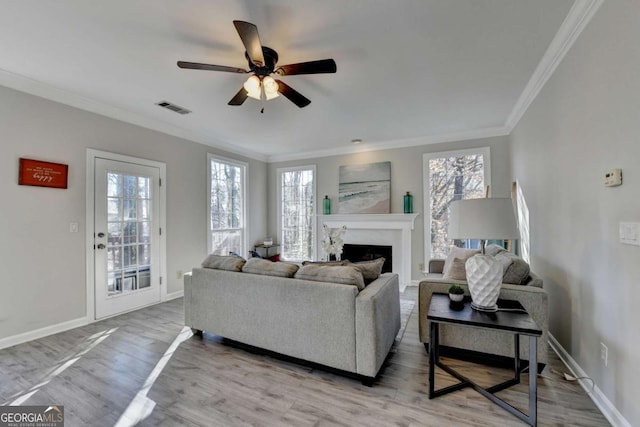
{"x": 42, "y": 174}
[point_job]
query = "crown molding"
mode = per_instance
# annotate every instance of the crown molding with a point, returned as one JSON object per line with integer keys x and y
{"x": 394, "y": 144}
{"x": 52, "y": 93}
{"x": 576, "y": 20}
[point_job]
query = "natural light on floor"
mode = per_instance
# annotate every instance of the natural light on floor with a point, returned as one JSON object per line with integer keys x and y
{"x": 141, "y": 406}
{"x": 92, "y": 342}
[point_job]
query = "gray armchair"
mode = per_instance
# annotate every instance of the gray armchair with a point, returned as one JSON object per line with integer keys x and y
{"x": 485, "y": 345}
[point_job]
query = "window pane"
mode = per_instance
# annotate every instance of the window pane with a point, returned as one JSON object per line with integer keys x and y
{"x": 130, "y": 235}
{"x": 115, "y": 233}
{"x": 114, "y": 185}
{"x": 224, "y": 242}
{"x": 144, "y": 210}
{"x": 297, "y": 214}
{"x": 129, "y": 209}
{"x": 144, "y": 187}
{"x": 226, "y": 201}
{"x": 144, "y": 232}
{"x": 130, "y": 186}
{"x": 451, "y": 178}
{"x": 114, "y": 213}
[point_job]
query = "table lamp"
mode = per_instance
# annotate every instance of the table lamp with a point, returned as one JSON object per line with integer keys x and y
{"x": 483, "y": 219}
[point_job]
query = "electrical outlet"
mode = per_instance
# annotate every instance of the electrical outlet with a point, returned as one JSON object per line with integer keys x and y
{"x": 421, "y": 266}
{"x": 179, "y": 274}
{"x": 604, "y": 354}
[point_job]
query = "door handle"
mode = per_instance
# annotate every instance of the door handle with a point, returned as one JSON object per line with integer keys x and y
{"x": 101, "y": 246}
{"x": 101, "y": 235}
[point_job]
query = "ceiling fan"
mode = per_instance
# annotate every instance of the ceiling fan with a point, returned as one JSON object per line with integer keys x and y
{"x": 262, "y": 63}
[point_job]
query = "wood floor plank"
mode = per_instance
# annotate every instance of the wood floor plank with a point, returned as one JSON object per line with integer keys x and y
{"x": 206, "y": 382}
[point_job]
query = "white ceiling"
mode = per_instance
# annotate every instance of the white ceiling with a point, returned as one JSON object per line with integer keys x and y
{"x": 409, "y": 72}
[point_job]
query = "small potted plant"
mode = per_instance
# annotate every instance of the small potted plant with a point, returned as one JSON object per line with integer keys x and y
{"x": 456, "y": 293}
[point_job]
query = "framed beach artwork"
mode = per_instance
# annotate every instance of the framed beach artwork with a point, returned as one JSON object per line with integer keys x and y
{"x": 365, "y": 188}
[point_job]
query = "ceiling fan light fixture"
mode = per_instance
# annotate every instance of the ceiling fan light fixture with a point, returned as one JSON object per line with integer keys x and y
{"x": 270, "y": 87}
{"x": 252, "y": 86}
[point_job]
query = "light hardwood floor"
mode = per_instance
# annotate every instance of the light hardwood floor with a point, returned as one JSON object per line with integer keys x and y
{"x": 136, "y": 361}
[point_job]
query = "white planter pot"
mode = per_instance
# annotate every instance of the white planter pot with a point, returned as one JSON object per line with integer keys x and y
{"x": 456, "y": 297}
{"x": 484, "y": 278}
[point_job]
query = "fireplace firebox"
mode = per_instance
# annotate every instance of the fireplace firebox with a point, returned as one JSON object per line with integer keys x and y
{"x": 355, "y": 253}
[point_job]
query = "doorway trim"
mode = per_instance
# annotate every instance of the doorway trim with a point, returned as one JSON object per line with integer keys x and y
{"x": 92, "y": 155}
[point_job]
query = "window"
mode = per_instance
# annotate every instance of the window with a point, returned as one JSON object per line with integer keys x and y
{"x": 297, "y": 212}
{"x": 449, "y": 176}
{"x": 226, "y": 206}
{"x": 523, "y": 222}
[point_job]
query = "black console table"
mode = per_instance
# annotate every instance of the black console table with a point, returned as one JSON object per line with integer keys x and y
{"x": 511, "y": 317}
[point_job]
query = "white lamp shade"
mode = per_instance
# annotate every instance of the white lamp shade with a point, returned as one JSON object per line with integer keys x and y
{"x": 483, "y": 219}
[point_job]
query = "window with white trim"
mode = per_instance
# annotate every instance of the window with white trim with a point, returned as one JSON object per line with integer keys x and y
{"x": 449, "y": 176}
{"x": 297, "y": 212}
{"x": 227, "y": 207}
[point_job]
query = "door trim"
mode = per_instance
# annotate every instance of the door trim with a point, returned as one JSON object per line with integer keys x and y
{"x": 92, "y": 155}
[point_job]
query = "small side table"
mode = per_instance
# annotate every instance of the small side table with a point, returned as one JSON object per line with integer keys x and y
{"x": 514, "y": 319}
{"x": 267, "y": 251}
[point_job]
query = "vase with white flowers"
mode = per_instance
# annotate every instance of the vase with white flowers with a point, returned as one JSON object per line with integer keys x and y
{"x": 332, "y": 242}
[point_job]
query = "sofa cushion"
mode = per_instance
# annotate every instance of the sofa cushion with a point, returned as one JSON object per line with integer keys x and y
{"x": 370, "y": 269}
{"x": 344, "y": 275}
{"x": 221, "y": 262}
{"x": 269, "y": 268}
{"x": 460, "y": 253}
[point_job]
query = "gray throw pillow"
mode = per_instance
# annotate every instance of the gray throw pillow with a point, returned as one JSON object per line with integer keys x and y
{"x": 457, "y": 270}
{"x": 221, "y": 262}
{"x": 460, "y": 253}
{"x": 370, "y": 269}
{"x": 515, "y": 269}
{"x": 344, "y": 275}
{"x": 494, "y": 250}
{"x": 268, "y": 268}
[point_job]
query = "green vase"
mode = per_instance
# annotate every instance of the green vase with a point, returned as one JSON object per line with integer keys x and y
{"x": 326, "y": 205}
{"x": 408, "y": 203}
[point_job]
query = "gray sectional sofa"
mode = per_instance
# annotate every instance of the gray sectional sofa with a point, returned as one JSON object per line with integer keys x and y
{"x": 334, "y": 325}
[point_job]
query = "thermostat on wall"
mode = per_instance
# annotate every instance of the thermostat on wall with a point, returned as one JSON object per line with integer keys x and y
{"x": 613, "y": 178}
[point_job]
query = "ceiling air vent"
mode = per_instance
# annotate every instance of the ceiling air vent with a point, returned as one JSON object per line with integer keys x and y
{"x": 173, "y": 107}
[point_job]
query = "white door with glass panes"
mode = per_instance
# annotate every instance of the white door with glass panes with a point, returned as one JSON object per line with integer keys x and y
{"x": 126, "y": 236}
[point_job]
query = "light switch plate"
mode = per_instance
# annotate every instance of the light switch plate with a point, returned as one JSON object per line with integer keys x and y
{"x": 630, "y": 233}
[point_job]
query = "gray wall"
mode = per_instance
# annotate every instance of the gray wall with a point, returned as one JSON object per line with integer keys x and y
{"x": 42, "y": 263}
{"x": 586, "y": 121}
{"x": 406, "y": 175}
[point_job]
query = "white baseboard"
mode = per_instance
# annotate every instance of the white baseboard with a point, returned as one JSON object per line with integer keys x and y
{"x": 606, "y": 407}
{"x": 173, "y": 295}
{"x": 42, "y": 332}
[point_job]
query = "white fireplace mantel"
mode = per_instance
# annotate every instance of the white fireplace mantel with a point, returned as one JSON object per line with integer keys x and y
{"x": 377, "y": 229}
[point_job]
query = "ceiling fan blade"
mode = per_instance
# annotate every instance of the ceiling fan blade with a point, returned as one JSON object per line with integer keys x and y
{"x": 209, "y": 67}
{"x": 311, "y": 67}
{"x": 249, "y": 35}
{"x": 239, "y": 98}
{"x": 292, "y": 94}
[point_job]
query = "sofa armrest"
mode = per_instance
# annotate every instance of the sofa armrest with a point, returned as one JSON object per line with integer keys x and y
{"x": 436, "y": 265}
{"x": 377, "y": 323}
